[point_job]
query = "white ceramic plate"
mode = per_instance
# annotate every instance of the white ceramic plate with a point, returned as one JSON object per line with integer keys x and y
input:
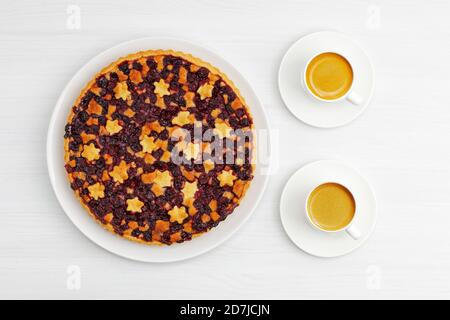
{"x": 310, "y": 110}
{"x": 293, "y": 216}
{"x": 84, "y": 221}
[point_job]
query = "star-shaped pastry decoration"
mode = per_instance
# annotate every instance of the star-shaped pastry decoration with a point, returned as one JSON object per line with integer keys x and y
{"x": 182, "y": 118}
{"x": 113, "y": 126}
{"x": 188, "y": 226}
{"x": 129, "y": 113}
{"x": 208, "y": 164}
{"x": 155, "y": 126}
{"x": 119, "y": 173}
{"x": 183, "y": 75}
{"x": 163, "y": 179}
{"x": 133, "y": 224}
{"x": 97, "y": 190}
{"x": 87, "y": 137}
{"x": 222, "y": 129}
{"x": 239, "y": 161}
{"x": 134, "y": 205}
{"x": 90, "y": 152}
{"x": 239, "y": 187}
{"x": 178, "y": 214}
{"x": 111, "y": 110}
{"x": 188, "y": 174}
{"x": 161, "y": 226}
{"x": 92, "y": 121}
{"x": 226, "y": 178}
{"x": 121, "y": 91}
{"x": 108, "y": 217}
{"x": 205, "y": 218}
{"x": 175, "y": 237}
{"x": 191, "y": 150}
{"x": 205, "y": 91}
{"x": 189, "y": 98}
{"x": 148, "y": 178}
{"x": 215, "y": 216}
{"x": 148, "y": 144}
{"x": 167, "y": 155}
{"x": 189, "y": 189}
{"x": 215, "y": 113}
{"x": 94, "y": 107}
{"x": 161, "y": 88}
{"x": 135, "y": 76}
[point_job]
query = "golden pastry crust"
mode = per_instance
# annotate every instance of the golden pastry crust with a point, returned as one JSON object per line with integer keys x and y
{"x": 123, "y": 132}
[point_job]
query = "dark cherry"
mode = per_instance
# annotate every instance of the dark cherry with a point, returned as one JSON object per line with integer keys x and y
{"x": 203, "y": 179}
{"x": 136, "y": 232}
{"x": 240, "y": 112}
{"x": 244, "y": 122}
{"x": 113, "y": 76}
{"x": 229, "y": 109}
{"x": 83, "y": 116}
{"x": 157, "y": 153}
{"x": 178, "y": 184}
{"x": 137, "y": 66}
{"x": 100, "y": 163}
{"x": 86, "y": 99}
{"x": 124, "y": 67}
{"x": 151, "y": 63}
{"x": 185, "y": 236}
{"x": 111, "y": 85}
{"x": 164, "y": 135}
{"x": 234, "y": 122}
{"x": 102, "y": 82}
{"x": 77, "y": 184}
{"x": 147, "y": 236}
{"x": 73, "y": 145}
{"x": 202, "y": 73}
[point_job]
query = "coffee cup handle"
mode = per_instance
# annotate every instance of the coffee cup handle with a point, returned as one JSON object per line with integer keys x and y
{"x": 354, "y": 232}
{"x": 354, "y": 98}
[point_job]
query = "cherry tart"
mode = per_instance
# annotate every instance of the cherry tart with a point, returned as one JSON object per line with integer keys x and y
{"x": 159, "y": 147}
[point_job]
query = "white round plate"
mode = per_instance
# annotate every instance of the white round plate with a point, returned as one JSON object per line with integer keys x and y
{"x": 84, "y": 221}
{"x": 310, "y": 110}
{"x": 293, "y": 216}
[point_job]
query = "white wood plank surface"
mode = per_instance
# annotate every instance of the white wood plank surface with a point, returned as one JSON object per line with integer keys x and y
{"x": 401, "y": 144}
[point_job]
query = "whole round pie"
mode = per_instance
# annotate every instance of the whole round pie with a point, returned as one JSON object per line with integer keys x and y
{"x": 159, "y": 147}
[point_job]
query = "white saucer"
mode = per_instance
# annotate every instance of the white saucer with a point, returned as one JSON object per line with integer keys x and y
{"x": 292, "y": 209}
{"x": 306, "y": 108}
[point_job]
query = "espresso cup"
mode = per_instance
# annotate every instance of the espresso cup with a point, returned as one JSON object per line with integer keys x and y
{"x": 331, "y": 207}
{"x": 328, "y": 77}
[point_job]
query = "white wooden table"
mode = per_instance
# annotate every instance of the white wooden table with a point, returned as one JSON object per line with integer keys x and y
{"x": 401, "y": 144}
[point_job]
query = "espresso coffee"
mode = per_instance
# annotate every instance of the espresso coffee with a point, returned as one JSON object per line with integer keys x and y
{"x": 331, "y": 206}
{"x": 329, "y": 76}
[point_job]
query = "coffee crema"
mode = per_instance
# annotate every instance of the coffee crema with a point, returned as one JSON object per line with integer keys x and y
{"x": 331, "y": 206}
{"x": 329, "y": 76}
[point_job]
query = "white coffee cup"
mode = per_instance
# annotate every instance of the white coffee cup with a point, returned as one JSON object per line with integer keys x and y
{"x": 350, "y": 228}
{"x": 350, "y": 95}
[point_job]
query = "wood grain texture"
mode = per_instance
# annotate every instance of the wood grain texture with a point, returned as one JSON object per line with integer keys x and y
{"x": 400, "y": 144}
